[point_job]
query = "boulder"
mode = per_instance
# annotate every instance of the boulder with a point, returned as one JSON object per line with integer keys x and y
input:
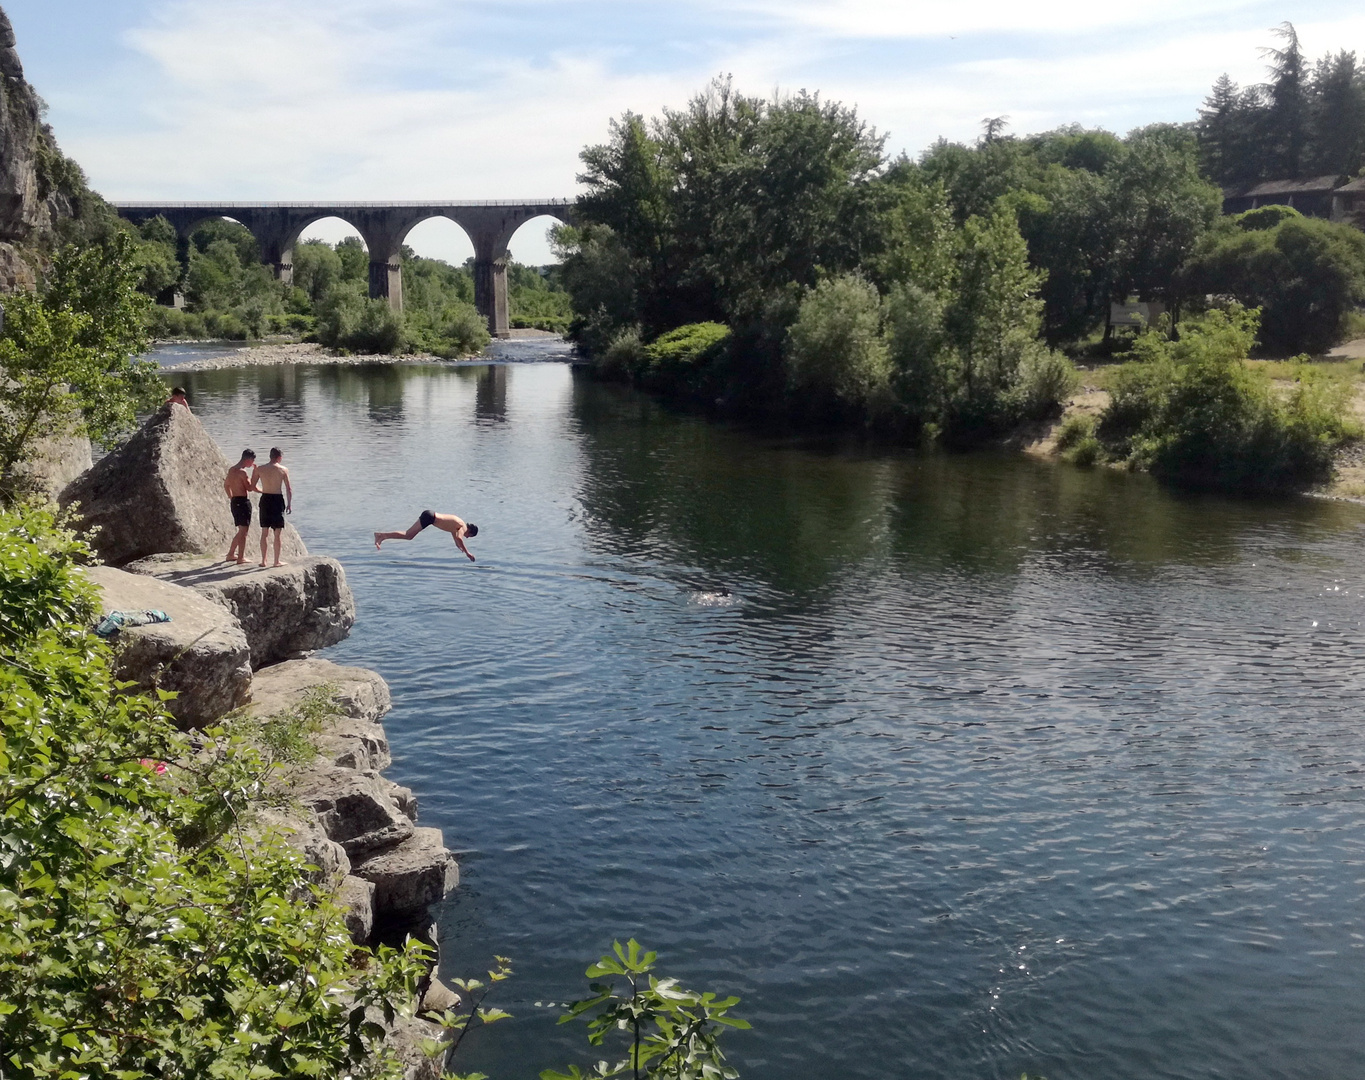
{"x": 439, "y": 998}
{"x": 410, "y": 877}
{"x": 201, "y": 653}
{"x": 54, "y": 463}
{"x": 353, "y": 807}
{"x": 306, "y": 836}
{"x": 285, "y": 610}
{"x": 355, "y": 896}
{"x": 354, "y": 739}
{"x": 408, "y": 1037}
{"x": 162, "y": 491}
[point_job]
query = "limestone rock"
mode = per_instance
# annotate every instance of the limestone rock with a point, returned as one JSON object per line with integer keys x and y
{"x": 439, "y": 997}
{"x": 201, "y": 653}
{"x": 54, "y": 463}
{"x": 285, "y": 610}
{"x": 412, "y": 876}
{"x": 356, "y": 897}
{"x": 403, "y": 798}
{"x": 354, "y": 740}
{"x": 353, "y": 807}
{"x": 306, "y": 836}
{"x": 162, "y": 491}
{"x": 406, "y": 1037}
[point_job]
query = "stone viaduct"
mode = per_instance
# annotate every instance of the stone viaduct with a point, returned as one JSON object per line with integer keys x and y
{"x": 383, "y": 226}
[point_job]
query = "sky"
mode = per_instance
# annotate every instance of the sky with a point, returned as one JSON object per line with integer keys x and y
{"x": 447, "y": 99}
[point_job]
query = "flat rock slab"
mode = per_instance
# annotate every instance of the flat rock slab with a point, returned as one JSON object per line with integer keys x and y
{"x": 354, "y": 739}
{"x": 162, "y": 491}
{"x": 285, "y": 610}
{"x": 201, "y": 653}
{"x": 410, "y": 877}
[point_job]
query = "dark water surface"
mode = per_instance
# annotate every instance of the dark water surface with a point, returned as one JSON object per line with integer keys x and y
{"x": 950, "y": 767}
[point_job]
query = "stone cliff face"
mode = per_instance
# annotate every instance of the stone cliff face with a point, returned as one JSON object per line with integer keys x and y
{"x": 32, "y": 173}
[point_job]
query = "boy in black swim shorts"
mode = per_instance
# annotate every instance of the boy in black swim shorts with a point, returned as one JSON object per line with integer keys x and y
{"x": 272, "y": 478}
{"x": 458, "y": 528}
{"x": 237, "y": 483}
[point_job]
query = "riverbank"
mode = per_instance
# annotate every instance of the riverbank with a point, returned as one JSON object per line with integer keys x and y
{"x": 237, "y": 653}
{"x": 1341, "y": 367}
{"x": 267, "y": 354}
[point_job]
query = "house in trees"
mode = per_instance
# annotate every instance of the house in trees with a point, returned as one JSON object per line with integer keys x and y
{"x": 1331, "y": 197}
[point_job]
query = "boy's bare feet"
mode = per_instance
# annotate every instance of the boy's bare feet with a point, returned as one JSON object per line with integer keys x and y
{"x": 241, "y": 562}
{"x": 278, "y": 564}
{"x": 377, "y": 541}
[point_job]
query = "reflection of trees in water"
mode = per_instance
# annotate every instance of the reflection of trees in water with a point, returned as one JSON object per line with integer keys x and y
{"x": 686, "y": 491}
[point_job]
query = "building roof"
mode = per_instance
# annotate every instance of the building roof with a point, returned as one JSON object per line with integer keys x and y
{"x": 1355, "y": 187}
{"x": 1308, "y": 185}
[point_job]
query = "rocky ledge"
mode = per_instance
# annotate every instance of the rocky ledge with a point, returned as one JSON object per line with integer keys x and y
{"x": 239, "y": 638}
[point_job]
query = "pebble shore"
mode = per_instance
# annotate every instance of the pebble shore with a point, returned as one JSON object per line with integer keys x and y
{"x": 268, "y": 355}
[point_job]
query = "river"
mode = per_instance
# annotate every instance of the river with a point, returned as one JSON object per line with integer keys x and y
{"x": 949, "y": 766}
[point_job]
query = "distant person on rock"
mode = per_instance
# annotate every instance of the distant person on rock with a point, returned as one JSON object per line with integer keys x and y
{"x": 237, "y": 484}
{"x": 178, "y": 397}
{"x": 274, "y": 483}
{"x": 457, "y": 527}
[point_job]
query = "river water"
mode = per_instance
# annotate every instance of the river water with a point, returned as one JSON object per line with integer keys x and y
{"x": 948, "y": 766}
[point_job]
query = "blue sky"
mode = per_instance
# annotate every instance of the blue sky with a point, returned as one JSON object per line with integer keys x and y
{"x": 320, "y": 99}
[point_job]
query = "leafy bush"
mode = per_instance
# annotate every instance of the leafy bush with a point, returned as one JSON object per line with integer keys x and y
{"x": 837, "y": 358}
{"x": 1306, "y": 275}
{"x": 677, "y": 360}
{"x": 1194, "y": 413}
{"x": 669, "y": 1032}
{"x": 1044, "y": 379}
{"x": 146, "y": 927}
{"x": 457, "y": 330}
{"x": 348, "y": 319}
{"x": 624, "y": 357}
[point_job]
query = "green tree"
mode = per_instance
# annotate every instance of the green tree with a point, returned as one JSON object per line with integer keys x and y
{"x": 836, "y": 355}
{"x": 69, "y": 358}
{"x": 1287, "y": 116}
{"x": 1304, "y": 274}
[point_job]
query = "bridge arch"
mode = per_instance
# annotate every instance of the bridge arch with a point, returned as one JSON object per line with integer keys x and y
{"x": 383, "y": 226}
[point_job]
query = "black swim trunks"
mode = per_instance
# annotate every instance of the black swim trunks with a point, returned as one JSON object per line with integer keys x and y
{"x": 272, "y": 511}
{"x": 427, "y": 518}
{"x": 241, "y": 510}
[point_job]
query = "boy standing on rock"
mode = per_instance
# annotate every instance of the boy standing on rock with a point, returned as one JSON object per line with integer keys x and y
{"x": 237, "y": 484}
{"x": 274, "y": 482}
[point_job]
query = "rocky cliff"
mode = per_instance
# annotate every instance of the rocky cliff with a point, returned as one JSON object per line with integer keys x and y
{"x": 39, "y": 187}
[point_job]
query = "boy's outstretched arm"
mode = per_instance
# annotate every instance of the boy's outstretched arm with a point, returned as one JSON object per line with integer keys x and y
{"x": 459, "y": 541}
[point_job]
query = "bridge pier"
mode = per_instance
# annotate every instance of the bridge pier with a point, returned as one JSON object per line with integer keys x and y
{"x": 490, "y": 291}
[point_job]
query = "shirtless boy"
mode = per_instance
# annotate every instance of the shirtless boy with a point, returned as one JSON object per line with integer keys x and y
{"x": 457, "y": 527}
{"x": 237, "y": 484}
{"x": 274, "y": 483}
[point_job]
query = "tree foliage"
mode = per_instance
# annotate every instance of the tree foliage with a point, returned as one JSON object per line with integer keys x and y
{"x": 68, "y": 356}
{"x": 1306, "y": 275}
{"x": 1305, "y": 120}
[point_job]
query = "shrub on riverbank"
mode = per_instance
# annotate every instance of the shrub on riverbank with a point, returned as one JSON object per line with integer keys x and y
{"x": 1194, "y": 413}
{"x": 144, "y": 931}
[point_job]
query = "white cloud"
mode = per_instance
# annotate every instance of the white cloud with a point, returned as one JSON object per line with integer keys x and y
{"x": 351, "y": 99}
